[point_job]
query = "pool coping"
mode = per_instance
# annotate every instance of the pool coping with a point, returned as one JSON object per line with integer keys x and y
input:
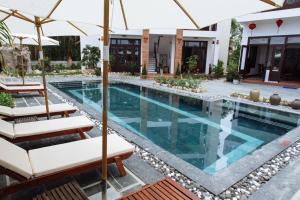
{"x": 221, "y": 180}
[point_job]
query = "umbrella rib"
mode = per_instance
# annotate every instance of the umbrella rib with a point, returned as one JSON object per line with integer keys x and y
{"x": 124, "y": 14}
{"x": 47, "y": 21}
{"x": 42, "y": 30}
{"x": 52, "y": 10}
{"x": 5, "y": 18}
{"x": 77, "y": 27}
{"x": 270, "y": 2}
{"x": 187, "y": 13}
{"x": 15, "y": 13}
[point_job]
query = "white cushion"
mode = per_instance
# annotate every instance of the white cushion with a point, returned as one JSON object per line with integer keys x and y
{"x": 6, "y": 111}
{"x": 48, "y": 160}
{"x": 35, "y": 110}
{"x": 14, "y": 158}
{"x": 8, "y": 83}
{"x": 6, "y": 129}
{"x": 20, "y": 88}
{"x": 49, "y": 126}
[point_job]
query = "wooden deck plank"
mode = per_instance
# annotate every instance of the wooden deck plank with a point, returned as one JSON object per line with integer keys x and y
{"x": 69, "y": 191}
{"x": 166, "y": 189}
{"x": 172, "y": 190}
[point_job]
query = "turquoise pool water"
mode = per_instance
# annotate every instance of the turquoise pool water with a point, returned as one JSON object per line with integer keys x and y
{"x": 208, "y": 135}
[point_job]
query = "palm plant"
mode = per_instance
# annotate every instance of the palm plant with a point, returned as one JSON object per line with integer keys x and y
{"x": 91, "y": 56}
{"x": 5, "y": 38}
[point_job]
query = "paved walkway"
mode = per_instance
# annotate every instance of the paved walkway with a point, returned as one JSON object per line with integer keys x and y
{"x": 284, "y": 186}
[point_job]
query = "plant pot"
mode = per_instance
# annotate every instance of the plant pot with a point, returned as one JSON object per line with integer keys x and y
{"x": 235, "y": 82}
{"x": 275, "y": 99}
{"x": 296, "y": 104}
{"x": 254, "y": 95}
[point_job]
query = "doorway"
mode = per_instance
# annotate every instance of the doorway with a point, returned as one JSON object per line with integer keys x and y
{"x": 291, "y": 66}
{"x": 197, "y": 48}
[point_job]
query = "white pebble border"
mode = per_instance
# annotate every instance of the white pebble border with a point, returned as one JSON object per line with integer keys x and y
{"x": 240, "y": 191}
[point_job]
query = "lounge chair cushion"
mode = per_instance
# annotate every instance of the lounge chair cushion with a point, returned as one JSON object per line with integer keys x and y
{"x": 48, "y": 160}
{"x": 8, "y": 83}
{"x": 36, "y": 110}
{"x": 6, "y": 111}
{"x": 53, "y": 125}
{"x": 7, "y": 129}
{"x": 14, "y": 158}
{"x": 20, "y": 88}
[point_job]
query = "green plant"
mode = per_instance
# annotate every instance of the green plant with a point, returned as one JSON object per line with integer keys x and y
{"x": 218, "y": 71}
{"x": 6, "y": 100}
{"x": 144, "y": 71}
{"x": 98, "y": 71}
{"x": 76, "y": 66}
{"x": 232, "y": 72}
{"x": 47, "y": 64}
{"x": 10, "y": 71}
{"x": 192, "y": 62}
{"x": 133, "y": 67}
{"x": 178, "y": 73}
{"x": 91, "y": 56}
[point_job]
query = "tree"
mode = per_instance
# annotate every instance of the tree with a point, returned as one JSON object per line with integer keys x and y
{"x": 91, "y": 56}
{"x": 235, "y": 42}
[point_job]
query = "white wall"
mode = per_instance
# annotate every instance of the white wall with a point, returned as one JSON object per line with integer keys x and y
{"x": 290, "y": 26}
{"x": 223, "y": 35}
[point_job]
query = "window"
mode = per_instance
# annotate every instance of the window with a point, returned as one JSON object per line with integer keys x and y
{"x": 277, "y": 40}
{"x": 258, "y": 41}
{"x": 294, "y": 40}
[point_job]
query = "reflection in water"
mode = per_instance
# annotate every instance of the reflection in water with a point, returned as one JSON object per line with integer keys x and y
{"x": 209, "y": 135}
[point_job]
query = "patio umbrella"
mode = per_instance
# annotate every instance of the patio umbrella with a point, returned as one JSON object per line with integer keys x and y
{"x": 30, "y": 24}
{"x": 137, "y": 14}
{"x": 27, "y": 39}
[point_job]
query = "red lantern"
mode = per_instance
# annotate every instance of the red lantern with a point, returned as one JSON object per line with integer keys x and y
{"x": 252, "y": 26}
{"x": 279, "y": 22}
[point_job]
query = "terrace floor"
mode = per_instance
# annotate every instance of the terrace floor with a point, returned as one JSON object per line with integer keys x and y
{"x": 138, "y": 171}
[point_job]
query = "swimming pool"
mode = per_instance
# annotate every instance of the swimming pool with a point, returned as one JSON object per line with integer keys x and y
{"x": 208, "y": 135}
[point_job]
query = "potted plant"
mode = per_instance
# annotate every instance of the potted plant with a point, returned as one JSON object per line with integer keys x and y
{"x": 178, "y": 73}
{"x": 161, "y": 70}
{"x": 192, "y": 62}
{"x": 133, "y": 67}
{"x": 236, "y": 77}
{"x": 144, "y": 72}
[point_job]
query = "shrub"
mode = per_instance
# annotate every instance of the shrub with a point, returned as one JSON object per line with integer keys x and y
{"x": 178, "y": 73}
{"x": 218, "y": 71}
{"x": 187, "y": 83}
{"x": 75, "y": 66}
{"x": 98, "y": 71}
{"x": 6, "y": 100}
{"x": 192, "y": 63}
{"x": 133, "y": 67}
{"x": 232, "y": 72}
{"x": 144, "y": 70}
{"x": 10, "y": 71}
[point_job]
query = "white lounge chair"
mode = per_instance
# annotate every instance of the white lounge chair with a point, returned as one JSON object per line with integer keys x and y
{"x": 43, "y": 129}
{"x": 41, "y": 165}
{"x": 19, "y": 83}
{"x": 39, "y": 111}
{"x": 23, "y": 89}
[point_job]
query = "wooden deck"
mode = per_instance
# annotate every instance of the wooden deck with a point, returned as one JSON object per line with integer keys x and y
{"x": 166, "y": 189}
{"x": 69, "y": 191}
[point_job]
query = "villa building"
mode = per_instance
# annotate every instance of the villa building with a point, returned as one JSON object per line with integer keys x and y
{"x": 166, "y": 49}
{"x": 271, "y": 45}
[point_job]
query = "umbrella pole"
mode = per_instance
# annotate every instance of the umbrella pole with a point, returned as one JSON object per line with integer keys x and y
{"x": 41, "y": 57}
{"x": 105, "y": 90}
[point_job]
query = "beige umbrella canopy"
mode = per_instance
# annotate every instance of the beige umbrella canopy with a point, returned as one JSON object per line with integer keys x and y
{"x": 27, "y": 39}
{"x": 29, "y": 24}
{"x": 138, "y": 14}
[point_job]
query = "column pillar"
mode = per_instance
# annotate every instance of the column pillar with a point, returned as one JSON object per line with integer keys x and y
{"x": 145, "y": 48}
{"x": 178, "y": 48}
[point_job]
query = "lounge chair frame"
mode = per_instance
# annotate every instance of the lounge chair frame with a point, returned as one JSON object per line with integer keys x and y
{"x": 40, "y": 91}
{"x": 61, "y": 113}
{"x": 25, "y": 183}
{"x": 80, "y": 131}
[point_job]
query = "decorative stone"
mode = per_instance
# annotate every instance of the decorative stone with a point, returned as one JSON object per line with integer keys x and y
{"x": 275, "y": 99}
{"x": 254, "y": 95}
{"x": 296, "y": 104}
